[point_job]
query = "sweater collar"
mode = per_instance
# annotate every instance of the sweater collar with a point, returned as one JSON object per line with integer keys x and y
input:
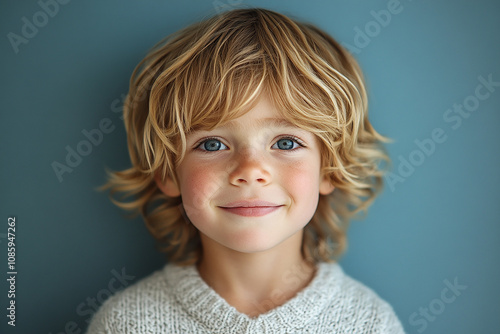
{"x": 209, "y": 308}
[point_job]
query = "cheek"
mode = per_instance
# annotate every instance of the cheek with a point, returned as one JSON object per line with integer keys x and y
{"x": 198, "y": 186}
{"x": 302, "y": 179}
{"x": 303, "y": 187}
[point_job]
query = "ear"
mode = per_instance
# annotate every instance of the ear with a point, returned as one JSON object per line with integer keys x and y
{"x": 325, "y": 186}
{"x": 168, "y": 187}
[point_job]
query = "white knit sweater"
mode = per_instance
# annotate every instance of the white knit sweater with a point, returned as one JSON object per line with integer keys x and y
{"x": 177, "y": 300}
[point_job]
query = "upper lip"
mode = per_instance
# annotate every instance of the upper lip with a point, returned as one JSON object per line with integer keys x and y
{"x": 249, "y": 204}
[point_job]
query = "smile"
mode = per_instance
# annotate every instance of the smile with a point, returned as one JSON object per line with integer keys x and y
{"x": 252, "y": 211}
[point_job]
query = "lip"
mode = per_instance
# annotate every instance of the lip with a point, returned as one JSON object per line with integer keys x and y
{"x": 252, "y": 211}
{"x": 251, "y": 208}
{"x": 249, "y": 204}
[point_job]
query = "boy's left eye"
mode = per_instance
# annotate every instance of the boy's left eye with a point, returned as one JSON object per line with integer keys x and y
{"x": 288, "y": 143}
{"x": 285, "y": 143}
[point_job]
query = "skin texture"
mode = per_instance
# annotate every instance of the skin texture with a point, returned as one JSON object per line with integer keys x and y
{"x": 254, "y": 263}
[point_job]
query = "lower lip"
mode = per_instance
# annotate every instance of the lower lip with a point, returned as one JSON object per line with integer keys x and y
{"x": 252, "y": 212}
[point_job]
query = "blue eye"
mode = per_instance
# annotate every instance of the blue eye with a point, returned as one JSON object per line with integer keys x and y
{"x": 287, "y": 143}
{"x": 211, "y": 145}
{"x": 214, "y": 145}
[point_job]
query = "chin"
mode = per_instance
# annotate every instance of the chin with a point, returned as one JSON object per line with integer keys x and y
{"x": 254, "y": 244}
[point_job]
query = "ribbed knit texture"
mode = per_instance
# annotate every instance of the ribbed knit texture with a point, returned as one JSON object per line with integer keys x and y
{"x": 177, "y": 300}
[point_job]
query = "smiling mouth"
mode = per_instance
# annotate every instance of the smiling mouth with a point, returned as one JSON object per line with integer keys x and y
{"x": 255, "y": 211}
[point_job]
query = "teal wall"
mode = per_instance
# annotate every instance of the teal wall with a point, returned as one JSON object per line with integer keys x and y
{"x": 436, "y": 224}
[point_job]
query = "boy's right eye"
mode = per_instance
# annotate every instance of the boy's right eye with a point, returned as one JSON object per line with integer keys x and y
{"x": 210, "y": 145}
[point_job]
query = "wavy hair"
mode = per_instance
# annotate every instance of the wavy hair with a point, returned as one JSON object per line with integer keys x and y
{"x": 214, "y": 71}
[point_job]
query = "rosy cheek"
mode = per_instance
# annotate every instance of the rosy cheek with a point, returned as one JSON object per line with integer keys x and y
{"x": 199, "y": 186}
{"x": 301, "y": 178}
{"x": 302, "y": 185}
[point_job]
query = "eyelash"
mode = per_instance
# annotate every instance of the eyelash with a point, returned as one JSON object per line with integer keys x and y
{"x": 296, "y": 139}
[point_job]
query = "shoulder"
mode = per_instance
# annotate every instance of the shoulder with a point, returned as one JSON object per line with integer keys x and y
{"x": 358, "y": 307}
{"x": 135, "y": 305}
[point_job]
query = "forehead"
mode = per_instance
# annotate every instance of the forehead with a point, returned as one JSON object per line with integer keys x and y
{"x": 262, "y": 115}
{"x": 267, "y": 122}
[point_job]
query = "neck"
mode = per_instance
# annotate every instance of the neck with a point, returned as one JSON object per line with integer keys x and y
{"x": 255, "y": 283}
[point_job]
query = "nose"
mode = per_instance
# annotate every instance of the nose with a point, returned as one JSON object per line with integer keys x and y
{"x": 249, "y": 168}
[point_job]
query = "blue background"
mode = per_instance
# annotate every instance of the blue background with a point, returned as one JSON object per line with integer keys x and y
{"x": 437, "y": 224}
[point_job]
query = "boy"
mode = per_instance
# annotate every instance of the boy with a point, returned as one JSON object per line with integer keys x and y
{"x": 251, "y": 148}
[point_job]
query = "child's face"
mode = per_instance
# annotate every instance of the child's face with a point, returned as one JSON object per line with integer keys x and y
{"x": 251, "y": 162}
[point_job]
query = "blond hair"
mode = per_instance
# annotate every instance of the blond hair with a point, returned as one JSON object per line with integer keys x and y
{"x": 214, "y": 71}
